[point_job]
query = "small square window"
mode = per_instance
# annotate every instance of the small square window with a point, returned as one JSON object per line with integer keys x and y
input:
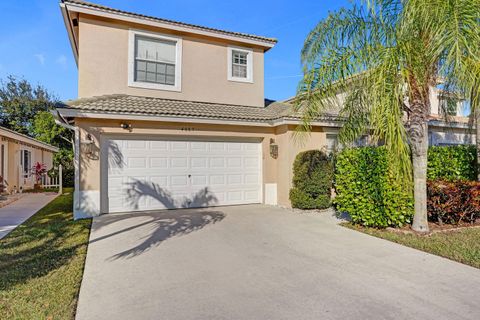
{"x": 240, "y": 65}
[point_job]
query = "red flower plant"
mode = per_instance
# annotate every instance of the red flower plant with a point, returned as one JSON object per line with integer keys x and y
{"x": 38, "y": 170}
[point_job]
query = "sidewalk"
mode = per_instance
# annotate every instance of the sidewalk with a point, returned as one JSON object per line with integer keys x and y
{"x": 17, "y": 212}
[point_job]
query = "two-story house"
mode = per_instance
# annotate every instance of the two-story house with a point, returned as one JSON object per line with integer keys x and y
{"x": 173, "y": 115}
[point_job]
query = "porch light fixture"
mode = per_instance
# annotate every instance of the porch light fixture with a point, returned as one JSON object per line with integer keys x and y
{"x": 88, "y": 145}
{"x": 273, "y": 149}
{"x": 126, "y": 126}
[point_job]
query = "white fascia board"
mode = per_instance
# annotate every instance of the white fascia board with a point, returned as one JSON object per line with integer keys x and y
{"x": 124, "y": 17}
{"x": 71, "y": 35}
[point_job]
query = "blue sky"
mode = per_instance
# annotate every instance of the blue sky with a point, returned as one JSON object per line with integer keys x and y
{"x": 34, "y": 44}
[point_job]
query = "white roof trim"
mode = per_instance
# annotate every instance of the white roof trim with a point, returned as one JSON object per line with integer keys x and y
{"x": 118, "y": 16}
{"x": 27, "y": 140}
{"x": 71, "y": 35}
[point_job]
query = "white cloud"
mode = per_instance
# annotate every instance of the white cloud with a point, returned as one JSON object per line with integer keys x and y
{"x": 40, "y": 57}
{"x": 62, "y": 61}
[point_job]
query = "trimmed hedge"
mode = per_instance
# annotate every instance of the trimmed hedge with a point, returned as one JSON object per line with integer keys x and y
{"x": 452, "y": 163}
{"x": 453, "y": 202}
{"x": 368, "y": 191}
{"x": 312, "y": 180}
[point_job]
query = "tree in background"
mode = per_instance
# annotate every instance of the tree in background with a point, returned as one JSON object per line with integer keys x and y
{"x": 45, "y": 129}
{"x": 378, "y": 61}
{"x": 20, "y": 102}
{"x": 26, "y": 109}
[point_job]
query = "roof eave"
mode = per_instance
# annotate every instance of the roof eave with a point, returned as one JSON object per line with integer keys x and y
{"x": 74, "y": 7}
{"x": 25, "y": 139}
{"x": 91, "y": 114}
{"x": 69, "y": 27}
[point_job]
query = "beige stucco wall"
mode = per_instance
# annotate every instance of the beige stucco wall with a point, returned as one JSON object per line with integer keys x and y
{"x": 277, "y": 171}
{"x": 290, "y": 144}
{"x": 103, "y": 66}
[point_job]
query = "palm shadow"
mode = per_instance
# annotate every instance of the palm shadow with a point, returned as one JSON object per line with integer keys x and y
{"x": 139, "y": 190}
{"x": 161, "y": 224}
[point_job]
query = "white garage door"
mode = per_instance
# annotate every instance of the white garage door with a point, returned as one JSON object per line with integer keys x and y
{"x": 168, "y": 174}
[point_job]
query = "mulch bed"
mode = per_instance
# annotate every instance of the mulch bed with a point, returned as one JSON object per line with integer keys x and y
{"x": 436, "y": 227}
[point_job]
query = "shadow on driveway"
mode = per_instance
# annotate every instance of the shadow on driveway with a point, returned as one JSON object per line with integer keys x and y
{"x": 162, "y": 225}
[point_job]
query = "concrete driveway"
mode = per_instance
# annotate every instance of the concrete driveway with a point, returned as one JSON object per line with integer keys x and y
{"x": 260, "y": 262}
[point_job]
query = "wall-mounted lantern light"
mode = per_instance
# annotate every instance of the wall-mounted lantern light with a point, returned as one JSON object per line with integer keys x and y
{"x": 88, "y": 145}
{"x": 273, "y": 149}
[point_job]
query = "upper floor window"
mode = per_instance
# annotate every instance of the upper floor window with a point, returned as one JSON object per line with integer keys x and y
{"x": 154, "y": 61}
{"x": 240, "y": 64}
{"x": 447, "y": 106}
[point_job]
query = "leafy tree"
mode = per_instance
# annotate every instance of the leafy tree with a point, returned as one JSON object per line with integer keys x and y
{"x": 45, "y": 129}
{"x": 20, "y": 102}
{"x": 378, "y": 62}
{"x": 26, "y": 109}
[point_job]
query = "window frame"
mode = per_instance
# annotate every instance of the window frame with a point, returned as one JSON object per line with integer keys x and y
{"x": 131, "y": 61}
{"x": 249, "y": 52}
{"x": 26, "y": 171}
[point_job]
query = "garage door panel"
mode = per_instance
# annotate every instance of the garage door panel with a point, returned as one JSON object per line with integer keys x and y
{"x": 179, "y": 146}
{"x": 217, "y": 162}
{"x": 179, "y": 181}
{"x": 252, "y": 179}
{"x": 234, "y": 179}
{"x": 198, "y": 163}
{"x": 179, "y": 162}
{"x": 136, "y": 163}
{"x": 199, "y": 146}
{"x": 217, "y": 180}
{"x": 159, "y": 145}
{"x": 199, "y": 180}
{"x": 159, "y": 174}
{"x": 158, "y": 162}
{"x": 136, "y": 145}
{"x": 251, "y": 195}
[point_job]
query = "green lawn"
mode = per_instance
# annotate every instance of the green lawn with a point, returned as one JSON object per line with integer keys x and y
{"x": 462, "y": 245}
{"x": 41, "y": 264}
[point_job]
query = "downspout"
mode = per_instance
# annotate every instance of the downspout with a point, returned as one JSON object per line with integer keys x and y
{"x": 76, "y": 155}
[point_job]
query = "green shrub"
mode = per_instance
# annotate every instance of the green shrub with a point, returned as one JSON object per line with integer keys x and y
{"x": 452, "y": 163}
{"x": 65, "y": 158}
{"x": 368, "y": 191}
{"x": 312, "y": 180}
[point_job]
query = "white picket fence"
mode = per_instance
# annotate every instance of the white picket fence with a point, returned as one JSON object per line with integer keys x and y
{"x": 53, "y": 182}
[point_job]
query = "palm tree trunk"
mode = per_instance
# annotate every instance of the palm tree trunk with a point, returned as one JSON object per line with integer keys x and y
{"x": 418, "y": 133}
{"x": 419, "y": 161}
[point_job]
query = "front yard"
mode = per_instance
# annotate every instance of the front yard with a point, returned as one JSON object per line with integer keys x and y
{"x": 41, "y": 264}
{"x": 461, "y": 245}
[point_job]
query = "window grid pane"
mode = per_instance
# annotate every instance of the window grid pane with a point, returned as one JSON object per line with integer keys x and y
{"x": 239, "y": 64}
{"x": 154, "y": 72}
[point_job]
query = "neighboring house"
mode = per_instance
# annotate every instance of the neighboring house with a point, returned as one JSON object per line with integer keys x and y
{"x": 18, "y": 154}
{"x": 173, "y": 115}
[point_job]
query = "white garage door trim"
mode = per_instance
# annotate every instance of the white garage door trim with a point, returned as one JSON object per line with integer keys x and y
{"x": 189, "y": 139}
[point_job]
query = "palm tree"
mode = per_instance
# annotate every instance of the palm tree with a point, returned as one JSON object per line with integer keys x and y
{"x": 377, "y": 62}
